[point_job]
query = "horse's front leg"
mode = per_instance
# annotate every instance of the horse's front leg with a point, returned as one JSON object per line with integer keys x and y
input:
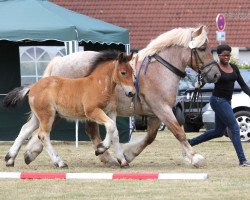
{"x": 170, "y": 121}
{"x": 133, "y": 149}
{"x": 92, "y": 130}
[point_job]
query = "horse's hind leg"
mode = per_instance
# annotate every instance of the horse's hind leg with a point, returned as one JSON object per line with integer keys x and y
{"x": 133, "y": 149}
{"x": 26, "y": 132}
{"x": 92, "y": 130}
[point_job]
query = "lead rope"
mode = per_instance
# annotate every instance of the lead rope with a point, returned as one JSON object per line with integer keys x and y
{"x": 194, "y": 102}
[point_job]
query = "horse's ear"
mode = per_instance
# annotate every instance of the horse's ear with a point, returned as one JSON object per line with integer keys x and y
{"x": 130, "y": 56}
{"x": 120, "y": 58}
{"x": 198, "y": 31}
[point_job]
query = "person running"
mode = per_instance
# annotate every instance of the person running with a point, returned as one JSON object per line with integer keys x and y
{"x": 220, "y": 102}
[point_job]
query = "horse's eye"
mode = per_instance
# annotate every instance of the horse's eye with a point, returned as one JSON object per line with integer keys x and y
{"x": 123, "y": 73}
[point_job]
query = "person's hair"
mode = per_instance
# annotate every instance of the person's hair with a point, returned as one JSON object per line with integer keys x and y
{"x": 223, "y": 47}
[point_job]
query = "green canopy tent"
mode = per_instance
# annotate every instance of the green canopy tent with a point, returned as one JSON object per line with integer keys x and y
{"x": 40, "y": 22}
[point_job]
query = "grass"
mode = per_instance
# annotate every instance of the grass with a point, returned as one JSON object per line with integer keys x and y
{"x": 226, "y": 179}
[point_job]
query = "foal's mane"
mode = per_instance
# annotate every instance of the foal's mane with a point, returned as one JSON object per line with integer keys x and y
{"x": 174, "y": 37}
{"x": 104, "y": 56}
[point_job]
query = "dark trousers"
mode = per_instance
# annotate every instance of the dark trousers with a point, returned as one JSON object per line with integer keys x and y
{"x": 224, "y": 117}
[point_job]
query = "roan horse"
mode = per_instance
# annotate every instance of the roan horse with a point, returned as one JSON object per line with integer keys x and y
{"x": 92, "y": 98}
{"x": 158, "y": 88}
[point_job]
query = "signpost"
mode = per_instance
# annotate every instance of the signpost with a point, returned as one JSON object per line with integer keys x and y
{"x": 220, "y": 24}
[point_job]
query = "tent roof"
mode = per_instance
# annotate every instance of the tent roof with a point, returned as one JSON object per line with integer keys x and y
{"x": 41, "y": 20}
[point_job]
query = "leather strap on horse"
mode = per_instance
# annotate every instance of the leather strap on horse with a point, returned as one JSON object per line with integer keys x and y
{"x": 136, "y": 99}
{"x": 169, "y": 66}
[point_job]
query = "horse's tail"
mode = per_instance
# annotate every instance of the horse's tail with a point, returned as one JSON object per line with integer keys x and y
{"x": 49, "y": 68}
{"x": 15, "y": 97}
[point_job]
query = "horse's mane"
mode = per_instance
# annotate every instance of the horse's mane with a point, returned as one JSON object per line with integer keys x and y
{"x": 103, "y": 56}
{"x": 174, "y": 37}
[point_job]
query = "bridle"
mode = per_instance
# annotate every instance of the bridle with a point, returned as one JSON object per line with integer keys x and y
{"x": 200, "y": 64}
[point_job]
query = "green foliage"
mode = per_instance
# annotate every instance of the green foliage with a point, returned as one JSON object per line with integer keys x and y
{"x": 235, "y": 61}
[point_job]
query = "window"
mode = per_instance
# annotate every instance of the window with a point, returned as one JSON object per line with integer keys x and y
{"x": 34, "y": 59}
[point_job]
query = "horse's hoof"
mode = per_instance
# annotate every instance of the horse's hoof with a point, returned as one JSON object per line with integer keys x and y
{"x": 27, "y": 159}
{"x": 129, "y": 157}
{"x": 97, "y": 153}
{"x": 100, "y": 149}
{"x": 30, "y": 156}
{"x": 7, "y": 157}
{"x": 198, "y": 161}
{"x": 108, "y": 160}
{"x": 123, "y": 164}
{"x": 9, "y": 160}
{"x": 10, "y": 164}
{"x": 62, "y": 165}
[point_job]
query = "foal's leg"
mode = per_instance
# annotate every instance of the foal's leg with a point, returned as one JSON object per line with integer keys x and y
{"x": 35, "y": 146}
{"x": 100, "y": 117}
{"x": 92, "y": 130}
{"x": 26, "y": 132}
{"x": 115, "y": 139}
{"x": 43, "y": 134}
{"x": 133, "y": 149}
{"x": 45, "y": 138}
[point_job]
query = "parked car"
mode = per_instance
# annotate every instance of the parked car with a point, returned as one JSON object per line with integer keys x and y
{"x": 193, "y": 112}
{"x": 241, "y": 108}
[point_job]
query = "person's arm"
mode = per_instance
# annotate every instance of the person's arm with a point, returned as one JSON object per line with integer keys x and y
{"x": 242, "y": 83}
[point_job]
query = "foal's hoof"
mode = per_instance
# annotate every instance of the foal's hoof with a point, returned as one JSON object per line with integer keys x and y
{"x": 61, "y": 165}
{"x": 9, "y": 160}
{"x": 100, "y": 149}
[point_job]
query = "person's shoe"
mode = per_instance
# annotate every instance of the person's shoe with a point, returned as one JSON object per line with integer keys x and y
{"x": 245, "y": 164}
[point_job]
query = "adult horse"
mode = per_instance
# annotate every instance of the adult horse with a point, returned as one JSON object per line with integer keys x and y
{"x": 87, "y": 98}
{"x": 169, "y": 54}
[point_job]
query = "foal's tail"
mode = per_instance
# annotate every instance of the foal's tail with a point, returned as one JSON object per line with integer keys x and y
{"x": 15, "y": 97}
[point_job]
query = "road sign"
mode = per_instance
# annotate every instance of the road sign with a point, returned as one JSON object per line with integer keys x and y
{"x": 220, "y": 36}
{"x": 220, "y": 22}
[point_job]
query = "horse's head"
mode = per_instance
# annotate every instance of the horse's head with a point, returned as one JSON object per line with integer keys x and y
{"x": 201, "y": 58}
{"x": 124, "y": 74}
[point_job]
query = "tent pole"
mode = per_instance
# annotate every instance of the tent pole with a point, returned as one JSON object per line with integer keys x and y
{"x": 72, "y": 47}
{"x": 131, "y": 127}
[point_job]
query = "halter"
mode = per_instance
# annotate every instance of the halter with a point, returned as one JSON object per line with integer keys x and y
{"x": 199, "y": 62}
{"x": 197, "y": 92}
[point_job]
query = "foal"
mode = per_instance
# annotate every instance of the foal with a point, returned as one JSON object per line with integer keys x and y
{"x": 90, "y": 98}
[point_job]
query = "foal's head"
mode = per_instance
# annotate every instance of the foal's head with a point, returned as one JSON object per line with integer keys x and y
{"x": 124, "y": 75}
